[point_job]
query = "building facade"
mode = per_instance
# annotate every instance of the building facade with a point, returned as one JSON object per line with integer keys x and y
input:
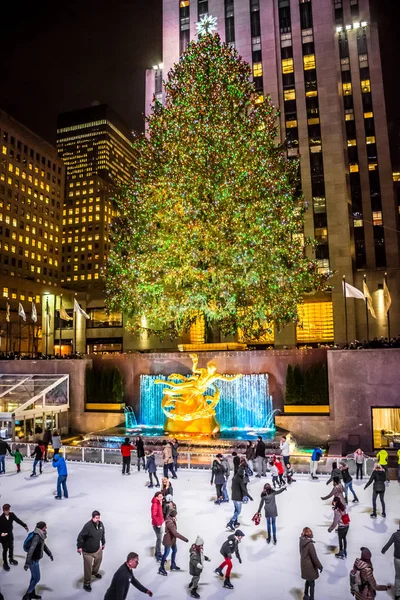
{"x": 319, "y": 60}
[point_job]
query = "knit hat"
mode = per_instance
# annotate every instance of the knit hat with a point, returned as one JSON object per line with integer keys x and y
{"x": 219, "y": 456}
{"x": 199, "y": 541}
{"x": 41, "y": 525}
{"x": 95, "y": 513}
{"x": 239, "y": 533}
{"x": 365, "y": 554}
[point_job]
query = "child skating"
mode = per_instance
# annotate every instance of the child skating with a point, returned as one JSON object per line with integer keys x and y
{"x": 196, "y": 565}
{"x": 228, "y": 548}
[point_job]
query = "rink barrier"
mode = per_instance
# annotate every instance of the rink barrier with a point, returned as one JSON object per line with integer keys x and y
{"x": 186, "y": 460}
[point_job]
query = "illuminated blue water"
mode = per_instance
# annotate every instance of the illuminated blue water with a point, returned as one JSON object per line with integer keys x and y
{"x": 244, "y": 404}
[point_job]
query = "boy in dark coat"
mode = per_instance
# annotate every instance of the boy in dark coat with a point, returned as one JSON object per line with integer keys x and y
{"x": 151, "y": 468}
{"x": 218, "y": 476}
{"x": 140, "y": 452}
{"x": 33, "y": 556}
{"x": 196, "y": 565}
{"x": 38, "y": 453}
{"x": 6, "y": 535}
{"x": 122, "y": 579}
{"x": 230, "y": 546}
{"x": 239, "y": 494}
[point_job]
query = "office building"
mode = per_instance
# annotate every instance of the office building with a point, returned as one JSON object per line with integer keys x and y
{"x": 319, "y": 60}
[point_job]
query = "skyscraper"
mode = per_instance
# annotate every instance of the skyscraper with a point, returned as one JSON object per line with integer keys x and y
{"x": 95, "y": 147}
{"x": 319, "y": 60}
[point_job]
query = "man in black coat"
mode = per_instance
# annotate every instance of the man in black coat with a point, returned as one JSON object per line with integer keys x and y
{"x": 90, "y": 543}
{"x": 4, "y": 448}
{"x": 123, "y": 577}
{"x": 260, "y": 457}
{"x": 239, "y": 494}
{"x": 7, "y": 519}
{"x": 140, "y": 452}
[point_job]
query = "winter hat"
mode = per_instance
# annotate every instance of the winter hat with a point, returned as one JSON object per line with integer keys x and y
{"x": 239, "y": 533}
{"x": 169, "y": 498}
{"x": 95, "y": 513}
{"x": 41, "y": 525}
{"x": 219, "y": 456}
{"x": 199, "y": 541}
{"x": 365, "y": 554}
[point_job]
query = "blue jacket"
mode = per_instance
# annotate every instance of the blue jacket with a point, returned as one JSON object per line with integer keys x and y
{"x": 59, "y": 464}
{"x": 317, "y": 454}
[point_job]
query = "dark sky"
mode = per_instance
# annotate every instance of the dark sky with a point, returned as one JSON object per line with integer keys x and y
{"x": 57, "y": 56}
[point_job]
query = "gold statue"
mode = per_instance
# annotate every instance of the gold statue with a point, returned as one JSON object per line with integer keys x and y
{"x": 186, "y": 405}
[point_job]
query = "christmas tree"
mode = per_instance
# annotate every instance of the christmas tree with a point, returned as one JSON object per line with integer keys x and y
{"x": 212, "y": 221}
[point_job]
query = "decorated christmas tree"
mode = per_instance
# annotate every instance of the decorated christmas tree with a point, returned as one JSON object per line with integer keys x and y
{"x": 212, "y": 221}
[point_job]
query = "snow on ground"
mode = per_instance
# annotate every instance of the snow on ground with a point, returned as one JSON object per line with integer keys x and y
{"x": 268, "y": 572}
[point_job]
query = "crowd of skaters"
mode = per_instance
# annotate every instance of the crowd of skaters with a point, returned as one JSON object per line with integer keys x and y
{"x": 164, "y": 517}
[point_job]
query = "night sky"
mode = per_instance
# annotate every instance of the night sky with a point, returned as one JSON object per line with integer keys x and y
{"x": 58, "y": 56}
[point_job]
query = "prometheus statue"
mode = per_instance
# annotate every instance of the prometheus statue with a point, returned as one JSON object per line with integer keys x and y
{"x": 187, "y": 403}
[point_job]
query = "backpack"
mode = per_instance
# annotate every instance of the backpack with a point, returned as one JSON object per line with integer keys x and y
{"x": 356, "y": 583}
{"x": 28, "y": 541}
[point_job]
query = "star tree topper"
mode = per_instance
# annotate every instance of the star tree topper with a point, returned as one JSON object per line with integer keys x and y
{"x": 207, "y": 24}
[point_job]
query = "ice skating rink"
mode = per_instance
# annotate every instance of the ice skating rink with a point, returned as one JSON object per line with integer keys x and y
{"x": 268, "y": 572}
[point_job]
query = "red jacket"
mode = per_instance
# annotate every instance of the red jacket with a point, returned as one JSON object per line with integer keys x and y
{"x": 279, "y": 466}
{"x": 126, "y": 449}
{"x": 156, "y": 513}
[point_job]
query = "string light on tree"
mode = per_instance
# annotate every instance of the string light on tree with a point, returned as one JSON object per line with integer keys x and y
{"x": 207, "y": 24}
{"x": 212, "y": 220}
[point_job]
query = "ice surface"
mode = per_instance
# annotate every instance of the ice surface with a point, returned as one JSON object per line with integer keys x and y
{"x": 267, "y": 572}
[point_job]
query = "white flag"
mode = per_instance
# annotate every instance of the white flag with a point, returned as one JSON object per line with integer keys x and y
{"x": 351, "y": 292}
{"x": 64, "y": 315}
{"x": 387, "y": 299}
{"x": 34, "y": 313}
{"x": 8, "y": 313}
{"x": 369, "y": 300}
{"x": 80, "y": 310}
{"x": 21, "y": 312}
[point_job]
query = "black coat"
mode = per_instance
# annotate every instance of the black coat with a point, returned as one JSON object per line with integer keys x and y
{"x": 236, "y": 463}
{"x": 239, "y": 490}
{"x": 6, "y": 525}
{"x": 91, "y": 537}
{"x": 378, "y": 478}
{"x": 140, "y": 448}
{"x": 230, "y": 546}
{"x": 4, "y": 448}
{"x": 260, "y": 449}
{"x": 218, "y": 473}
{"x": 347, "y": 478}
{"x": 120, "y": 583}
{"x": 36, "y": 549}
{"x": 395, "y": 539}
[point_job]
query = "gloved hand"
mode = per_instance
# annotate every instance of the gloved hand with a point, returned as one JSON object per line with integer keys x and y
{"x": 51, "y": 558}
{"x": 207, "y": 559}
{"x": 200, "y": 566}
{"x": 321, "y": 569}
{"x": 245, "y": 499}
{"x": 26, "y": 567}
{"x": 240, "y": 561}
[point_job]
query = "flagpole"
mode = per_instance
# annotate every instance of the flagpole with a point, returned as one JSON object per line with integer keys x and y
{"x": 7, "y": 327}
{"x": 47, "y": 324}
{"x": 345, "y": 306}
{"x": 75, "y": 329}
{"x": 366, "y": 309}
{"x": 19, "y": 347}
{"x": 388, "y": 316}
{"x": 60, "y": 324}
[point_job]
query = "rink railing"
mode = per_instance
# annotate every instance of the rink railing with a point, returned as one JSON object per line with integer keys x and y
{"x": 188, "y": 460}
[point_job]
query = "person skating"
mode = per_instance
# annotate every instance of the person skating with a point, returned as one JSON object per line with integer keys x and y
{"x": 175, "y": 452}
{"x": 123, "y": 578}
{"x": 35, "y": 547}
{"x": 227, "y": 468}
{"x": 56, "y": 443}
{"x": 284, "y": 446}
{"x": 228, "y": 548}
{"x": 274, "y": 474}
{"x": 4, "y": 448}
{"x": 395, "y": 539}
{"x": 280, "y": 470}
{"x": 169, "y": 541}
{"x": 7, "y": 519}
{"x": 196, "y": 565}
{"x": 398, "y": 465}
{"x": 337, "y": 491}
{"x": 168, "y": 460}
{"x": 236, "y": 462}
{"x": 369, "y": 587}
{"x": 90, "y": 545}
{"x": 218, "y": 477}
{"x": 289, "y": 474}
{"x": 62, "y": 471}
{"x": 359, "y": 459}
{"x": 271, "y": 510}
{"x": 260, "y": 457}
{"x": 340, "y": 521}
{"x": 38, "y": 453}
{"x": 47, "y": 439}
{"x": 383, "y": 458}
{"x": 166, "y": 487}
{"x": 335, "y": 472}
{"x": 168, "y": 504}
{"x": 250, "y": 455}
{"x": 378, "y": 478}
{"x": 126, "y": 449}
{"x": 348, "y": 481}
{"x": 18, "y": 458}
{"x": 151, "y": 468}
{"x": 315, "y": 458}
{"x": 140, "y": 452}
{"x": 239, "y": 495}
{"x": 157, "y": 521}
{"x": 309, "y": 563}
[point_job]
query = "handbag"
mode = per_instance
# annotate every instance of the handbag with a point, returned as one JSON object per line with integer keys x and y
{"x": 256, "y": 519}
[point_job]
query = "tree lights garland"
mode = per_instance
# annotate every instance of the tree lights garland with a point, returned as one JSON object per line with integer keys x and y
{"x": 210, "y": 221}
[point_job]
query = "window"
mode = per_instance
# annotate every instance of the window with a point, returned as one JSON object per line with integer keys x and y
{"x": 370, "y": 139}
{"x": 368, "y": 115}
{"x": 358, "y": 222}
{"x": 309, "y": 62}
{"x": 100, "y": 318}
{"x": 290, "y": 94}
{"x": 287, "y": 65}
{"x": 347, "y": 89}
{"x": 352, "y": 142}
{"x": 290, "y": 124}
{"x": 377, "y": 217}
{"x": 257, "y": 70}
{"x": 354, "y": 168}
{"x": 365, "y": 86}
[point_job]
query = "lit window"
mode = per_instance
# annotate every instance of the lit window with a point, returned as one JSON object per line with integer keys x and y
{"x": 368, "y": 115}
{"x": 290, "y": 94}
{"x": 312, "y": 94}
{"x": 287, "y": 65}
{"x": 358, "y": 222}
{"x": 352, "y": 142}
{"x": 347, "y": 89}
{"x": 309, "y": 62}
{"x": 372, "y": 166}
{"x": 396, "y": 176}
{"x": 313, "y": 121}
{"x": 4, "y": 150}
{"x": 289, "y": 125}
{"x": 365, "y": 86}
{"x": 257, "y": 70}
{"x": 259, "y": 100}
{"x": 377, "y": 217}
{"x": 370, "y": 139}
{"x": 354, "y": 168}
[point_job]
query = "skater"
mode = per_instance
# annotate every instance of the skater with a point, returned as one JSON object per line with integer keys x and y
{"x": 274, "y": 474}
{"x": 7, "y": 519}
{"x": 285, "y": 449}
{"x": 218, "y": 476}
{"x": 335, "y": 472}
{"x": 60, "y": 465}
{"x": 157, "y": 521}
{"x": 289, "y": 474}
{"x": 169, "y": 542}
{"x": 236, "y": 462}
{"x": 341, "y": 520}
{"x": 280, "y": 470}
{"x": 398, "y": 465}
{"x": 271, "y": 510}
{"x": 250, "y": 455}
{"x": 47, "y": 439}
{"x": 166, "y": 487}
{"x": 359, "y": 459}
{"x": 168, "y": 460}
{"x": 383, "y": 457}
{"x": 35, "y": 546}
{"x": 126, "y": 449}
{"x": 122, "y": 579}
{"x": 239, "y": 495}
{"x": 168, "y": 504}
{"x": 4, "y": 448}
{"x": 230, "y": 546}
{"x": 368, "y": 587}
{"x": 175, "y": 452}
{"x": 309, "y": 563}
{"x": 140, "y": 452}
{"x": 378, "y": 478}
{"x": 18, "y": 458}
{"x": 151, "y": 468}
{"x": 90, "y": 544}
{"x": 337, "y": 491}
{"x": 395, "y": 539}
{"x": 260, "y": 457}
{"x": 348, "y": 481}
{"x": 315, "y": 458}
{"x": 38, "y": 453}
{"x": 227, "y": 468}
{"x": 56, "y": 443}
{"x": 196, "y": 565}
